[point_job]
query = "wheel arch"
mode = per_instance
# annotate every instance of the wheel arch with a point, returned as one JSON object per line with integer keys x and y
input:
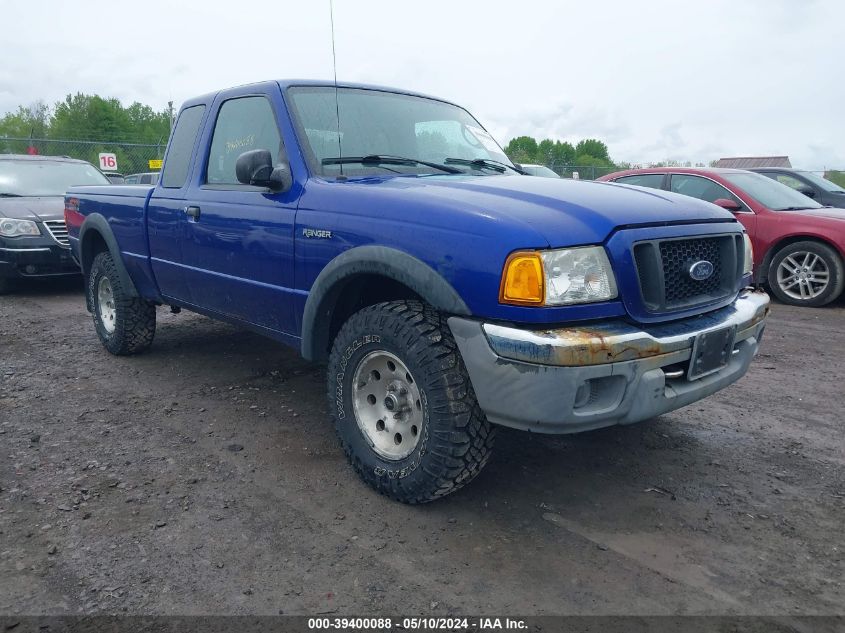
{"x": 347, "y": 284}
{"x": 96, "y": 236}
{"x": 762, "y": 275}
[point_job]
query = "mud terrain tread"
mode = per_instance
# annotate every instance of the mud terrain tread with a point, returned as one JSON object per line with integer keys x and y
{"x": 460, "y": 438}
{"x": 135, "y": 324}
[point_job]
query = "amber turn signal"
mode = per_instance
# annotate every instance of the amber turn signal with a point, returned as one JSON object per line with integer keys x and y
{"x": 522, "y": 279}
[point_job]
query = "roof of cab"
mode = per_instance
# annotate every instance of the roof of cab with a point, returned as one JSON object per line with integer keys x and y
{"x": 284, "y": 84}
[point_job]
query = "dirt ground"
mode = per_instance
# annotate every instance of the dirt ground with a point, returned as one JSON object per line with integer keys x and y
{"x": 203, "y": 477}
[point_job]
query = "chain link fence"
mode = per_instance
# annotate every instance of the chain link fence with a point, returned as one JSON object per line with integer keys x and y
{"x": 131, "y": 157}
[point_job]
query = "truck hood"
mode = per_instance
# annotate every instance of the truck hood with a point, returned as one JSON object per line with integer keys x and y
{"x": 46, "y": 208}
{"x": 565, "y": 212}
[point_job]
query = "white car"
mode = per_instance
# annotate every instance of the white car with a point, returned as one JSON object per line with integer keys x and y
{"x": 539, "y": 170}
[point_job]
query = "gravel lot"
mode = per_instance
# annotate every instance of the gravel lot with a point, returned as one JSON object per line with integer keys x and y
{"x": 204, "y": 477}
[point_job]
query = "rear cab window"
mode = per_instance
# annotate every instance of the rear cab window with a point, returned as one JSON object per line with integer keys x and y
{"x": 175, "y": 172}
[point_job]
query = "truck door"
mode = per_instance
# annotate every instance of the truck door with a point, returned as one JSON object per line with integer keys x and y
{"x": 237, "y": 245}
{"x": 165, "y": 210}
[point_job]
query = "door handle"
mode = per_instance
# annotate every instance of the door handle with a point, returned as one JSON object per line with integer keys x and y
{"x": 193, "y": 212}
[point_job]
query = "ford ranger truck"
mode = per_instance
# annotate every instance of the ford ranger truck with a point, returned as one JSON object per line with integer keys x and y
{"x": 385, "y": 234}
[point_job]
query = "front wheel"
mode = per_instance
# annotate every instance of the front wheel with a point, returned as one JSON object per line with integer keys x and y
{"x": 806, "y": 274}
{"x": 126, "y": 324}
{"x": 403, "y": 406}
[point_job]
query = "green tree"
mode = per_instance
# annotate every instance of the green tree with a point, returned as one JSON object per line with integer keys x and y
{"x": 148, "y": 126}
{"x": 31, "y": 121}
{"x": 594, "y": 148}
{"x": 90, "y": 118}
{"x": 105, "y": 121}
{"x": 522, "y": 149}
{"x": 555, "y": 152}
{"x": 94, "y": 118}
{"x": 836, "y": 176}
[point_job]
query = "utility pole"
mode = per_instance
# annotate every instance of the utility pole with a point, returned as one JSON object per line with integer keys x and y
{"x": 170, "y": 112}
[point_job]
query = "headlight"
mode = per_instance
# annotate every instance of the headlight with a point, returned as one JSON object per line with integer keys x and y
{"x": 749, "y": 256}
{"x": 559, "y": 277}
{"x": 13, "y": 228}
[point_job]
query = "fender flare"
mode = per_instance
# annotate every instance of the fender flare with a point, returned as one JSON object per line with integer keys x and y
{"x": 381, "y": 260}
{"x": 97, "y": 224}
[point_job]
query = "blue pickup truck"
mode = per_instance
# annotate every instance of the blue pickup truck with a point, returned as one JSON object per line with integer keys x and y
{"x": 386, "y": 234}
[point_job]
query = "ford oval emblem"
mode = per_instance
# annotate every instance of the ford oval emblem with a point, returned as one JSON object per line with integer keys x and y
{"x": 701, "y": 271}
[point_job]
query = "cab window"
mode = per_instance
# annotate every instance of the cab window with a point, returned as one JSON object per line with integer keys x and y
{"x": 181, "y": 148}
{"x": 243, "y": 124}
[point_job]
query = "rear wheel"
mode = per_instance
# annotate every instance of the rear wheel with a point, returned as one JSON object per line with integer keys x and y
{"x": 806, "y": 274}
{"x": 403, "y": 406}
{"x": 125, "y": 324}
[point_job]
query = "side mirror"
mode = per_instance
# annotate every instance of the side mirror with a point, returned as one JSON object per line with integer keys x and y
{"x": 255, "y": 167}
{"x": 729, "y": 205}
{"x": 807, "y": 191}
{"x": 281, "y": 178}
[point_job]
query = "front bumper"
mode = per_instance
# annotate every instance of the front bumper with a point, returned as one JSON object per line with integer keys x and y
{"x": 36, "y": 257}
{"x": 585, "y": 377}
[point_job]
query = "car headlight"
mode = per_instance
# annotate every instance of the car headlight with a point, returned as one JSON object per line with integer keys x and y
{"x": 748, "y": 268}
{"x": 10, "y": 227}
{"x": 558, "y": 277}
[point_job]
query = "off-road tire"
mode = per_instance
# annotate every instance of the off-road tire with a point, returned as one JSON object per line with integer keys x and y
{"x": 832, "y": 261}
{"x": 455, "y": 440}
{"x": 135, "y": 318}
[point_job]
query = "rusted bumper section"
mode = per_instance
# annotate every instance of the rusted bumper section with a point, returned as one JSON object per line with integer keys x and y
{"x": 617, "y": 341}
{"x": 573, "y": 379}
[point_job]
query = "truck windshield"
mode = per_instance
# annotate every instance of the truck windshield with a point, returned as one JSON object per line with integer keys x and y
{"x": 45, "y": 177}
{"x": 379, "y": 123}
{"x": 771, "y": 193}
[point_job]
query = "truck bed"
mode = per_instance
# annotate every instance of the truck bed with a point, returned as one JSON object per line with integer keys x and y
{"x": 124, "y": 207}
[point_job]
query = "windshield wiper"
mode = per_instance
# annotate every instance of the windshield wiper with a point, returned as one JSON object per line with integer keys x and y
{"x": 385, "y": 159}
{"x": 10, "y": 195}
{"x": 796, "y": 208}
{"x": 495, "y": 165}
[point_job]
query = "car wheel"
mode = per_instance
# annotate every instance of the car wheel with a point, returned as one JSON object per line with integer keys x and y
{"x": 806, "y": 274}
{"x": 402, "y": 403}
{"x": 126, "y": 324}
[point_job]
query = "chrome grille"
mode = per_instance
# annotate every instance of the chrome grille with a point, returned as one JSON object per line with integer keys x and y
{"x": 58, "y": 231}
{"x": 663, "y": 271}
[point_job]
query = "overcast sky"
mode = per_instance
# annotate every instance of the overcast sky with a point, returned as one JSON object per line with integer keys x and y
{"x": 654, "y": 79}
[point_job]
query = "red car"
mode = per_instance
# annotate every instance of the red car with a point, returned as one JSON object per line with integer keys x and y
{"x": 799, "y": 245}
